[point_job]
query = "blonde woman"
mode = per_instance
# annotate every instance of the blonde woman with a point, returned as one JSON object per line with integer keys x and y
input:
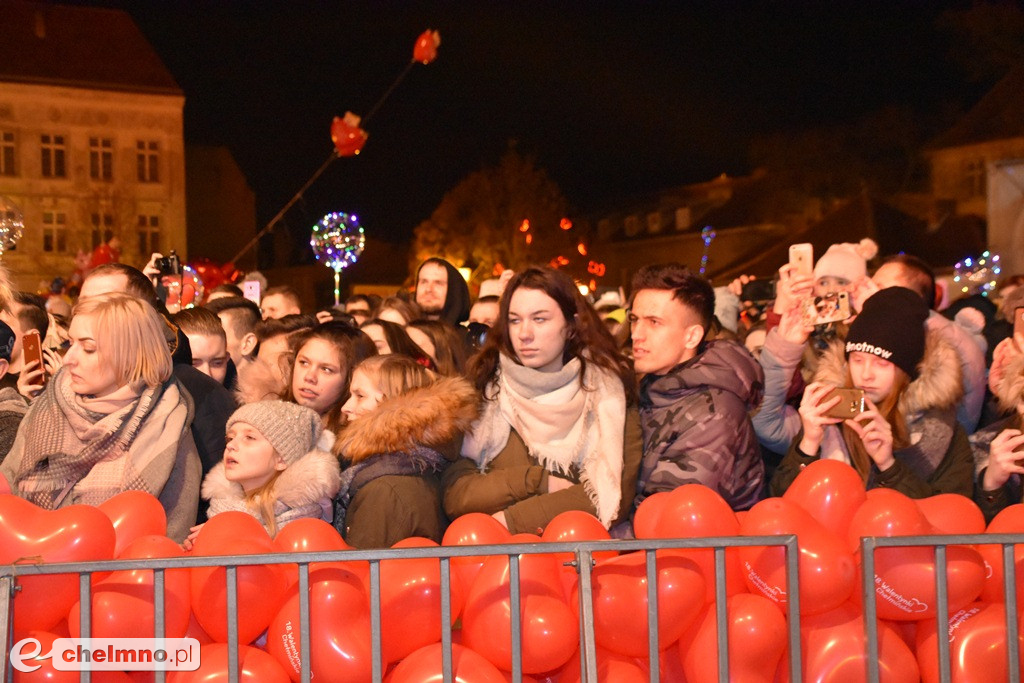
{"x": 112, "y": 419}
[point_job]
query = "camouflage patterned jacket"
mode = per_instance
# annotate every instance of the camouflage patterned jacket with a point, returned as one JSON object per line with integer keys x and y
{"x": 697, "y": 429}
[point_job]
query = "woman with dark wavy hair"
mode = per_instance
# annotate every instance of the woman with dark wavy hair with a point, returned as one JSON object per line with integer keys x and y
{"x": 559, "y": 429}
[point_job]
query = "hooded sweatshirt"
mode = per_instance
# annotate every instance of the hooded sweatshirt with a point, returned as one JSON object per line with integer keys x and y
{"x": 456, "y": 300}
{"x": 696, "y": 426}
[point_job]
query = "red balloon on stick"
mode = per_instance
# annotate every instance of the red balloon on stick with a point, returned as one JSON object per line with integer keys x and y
{"x": 347, "y": 136}
{"x": 425, "y": 49}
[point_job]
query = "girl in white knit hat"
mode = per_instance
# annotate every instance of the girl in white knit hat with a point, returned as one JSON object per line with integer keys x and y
{"x": 277, "y": 467}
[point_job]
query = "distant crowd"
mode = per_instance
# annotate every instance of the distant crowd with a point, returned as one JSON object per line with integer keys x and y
{"x": 391, "y": 417}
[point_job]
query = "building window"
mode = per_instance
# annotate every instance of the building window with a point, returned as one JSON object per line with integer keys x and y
{"x": 149, "y": 235}
{"x": 101, "y": 222}
{"x": 683, "y": 218}
{"x": 148, "y": 157}
{"x": 53, "y": 156}
{"x": 101, "y": 159}
{"x": 974, "y": 179}
{"x": 654, "y": 222}
{"x": 55, "y": 231}
{"x": 632, "y": 226}
{"x": 7, "y": 150}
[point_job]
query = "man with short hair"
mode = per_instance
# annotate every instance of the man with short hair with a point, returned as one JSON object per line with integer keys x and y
{"x": 208, "y": 342}
{"x": 485, "y": 311}
{"x": 25, "y": 313}
{"x": 280, "y": 301}
{"x": 359, "y": 307}
{"x": 239, "y": 317}
{"x": 441, "y": 292}
{"x": 695, "y": 396}
{"x": 905, "y": 270}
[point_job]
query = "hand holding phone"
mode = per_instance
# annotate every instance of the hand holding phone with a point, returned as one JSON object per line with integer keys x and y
{"x": 851, "y": 403}
{"x": 801, "y": 256}
{"x": 822, "y": 310}
{"x": 32, "y": 350}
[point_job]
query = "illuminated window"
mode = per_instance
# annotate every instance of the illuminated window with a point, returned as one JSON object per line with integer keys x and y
{"x": 101, "y": 222}
{"x": 654, "y": 222}
{"x": 55, "y": 231}
{"x": 149, "y": 235}
{"x": 7, "y": 153}
{"x": 632, "y": 226}
{"x": 53, "y": 156}
{"x": 147, "y": 155}
{"x": 683, "y": 218}
{"x": 101, "y": 159}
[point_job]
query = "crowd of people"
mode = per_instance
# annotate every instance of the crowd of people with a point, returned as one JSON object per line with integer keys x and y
{"x": 390, "y": 417}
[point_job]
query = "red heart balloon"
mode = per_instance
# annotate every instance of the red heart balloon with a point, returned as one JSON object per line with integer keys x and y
{"x": 977, "y": 645}
{"x": 757, "y": 638}
{"x": 347, "y": 136}
{"x": 255, "y": 666}
{"x": 611, "y": 667}
{"x": 314, "y": 535}
{"x": 474, "y": 528}
{"x": 261, "y": 588}
{"x": 834, "y": 647}
{"x": 134, "y": 514}
{"x": 122, "y": 603}
{"x": 410, "y": 602}
{"x": 827, "y": 571}
{"x": 424, "y": 666}
{"x": 830, "y": 491}
{"x": 550, "y": 630}
{"x": 952, "y": 513}
{"x": 28, "y": 533}
{"x": 620, "y": 601}
{"x": 1010, "y": 520}
{"x": 339, "y": 620}
{"x": 695, "y": 511}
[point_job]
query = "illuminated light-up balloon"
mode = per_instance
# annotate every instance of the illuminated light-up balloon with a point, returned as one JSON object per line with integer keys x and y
{"x": 183, "y": 291}
{"x": 425, "y": 49}
{"x": 337, "y": 241}
{"x": 347, "y": 136}
{"x": 12, "y": 223}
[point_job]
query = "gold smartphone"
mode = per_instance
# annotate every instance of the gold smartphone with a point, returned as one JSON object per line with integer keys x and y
{"x": 851, "y": 403}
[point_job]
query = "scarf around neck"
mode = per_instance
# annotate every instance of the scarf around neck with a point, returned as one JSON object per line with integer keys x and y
{"x": 98, "y": 448}
{"x": 562, "y": 423}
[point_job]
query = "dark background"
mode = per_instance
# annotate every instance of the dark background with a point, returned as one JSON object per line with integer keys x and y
{"x": 612, "y": 99}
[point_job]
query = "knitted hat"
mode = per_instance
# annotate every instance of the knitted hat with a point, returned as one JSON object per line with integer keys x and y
{"x": 891, "y": 326}
{"x": 292, "y": 430}
{"x": 847, "y": 260}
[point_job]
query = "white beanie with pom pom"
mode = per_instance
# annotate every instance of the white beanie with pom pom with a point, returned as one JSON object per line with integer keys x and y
{"x": 846, "y": 260}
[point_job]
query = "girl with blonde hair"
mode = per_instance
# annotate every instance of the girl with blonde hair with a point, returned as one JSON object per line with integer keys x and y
{"x": 113, "y": 418}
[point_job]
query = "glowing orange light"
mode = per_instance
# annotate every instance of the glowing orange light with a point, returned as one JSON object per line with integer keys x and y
{"x": 593, "y": 285}
{"x": 582, "y": 249}
{"x": 595, "y": 268}
{"x": 565, "y": 224}
{"x": 525, "y": 225}
{"x": 498, "y": 269}
{"x": 529, "y": 239}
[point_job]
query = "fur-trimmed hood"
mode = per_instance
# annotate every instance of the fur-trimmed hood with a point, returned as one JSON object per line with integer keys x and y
{"x": 1011, "y": 390}
{"x": 938, "y": 385}
{"x": 304, "y": 485}
{"x": 257, "y": 382}
{"x": 430, "y": 416}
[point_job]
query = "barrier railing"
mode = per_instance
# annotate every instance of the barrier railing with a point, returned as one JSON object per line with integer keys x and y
{"x": 584, "y": 563}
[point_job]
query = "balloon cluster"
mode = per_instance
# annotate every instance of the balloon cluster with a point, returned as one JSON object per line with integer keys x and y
{"x": 827, "y": 509}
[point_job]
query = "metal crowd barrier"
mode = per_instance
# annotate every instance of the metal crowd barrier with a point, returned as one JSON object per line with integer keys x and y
{"x": 584, "y": 563}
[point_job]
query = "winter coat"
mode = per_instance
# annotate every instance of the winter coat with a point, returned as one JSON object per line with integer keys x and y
{"x": 939, "y": 458}
{"x": 776, "y": 423}
{"x": 1008, "y": 394}
{"x": 973, "y": 370}
{"x": 517, "y": 483}
{"x": 13, "y": 407}
{"x": 303, "y": 489}
{"x": 395, "y": 454}
{"x": 696, "y": 428}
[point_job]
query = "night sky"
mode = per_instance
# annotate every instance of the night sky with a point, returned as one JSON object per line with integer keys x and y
{"x": 613, "y": 99}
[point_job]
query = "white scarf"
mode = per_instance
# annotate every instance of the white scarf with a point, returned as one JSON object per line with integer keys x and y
{"x": 561, "y": 423}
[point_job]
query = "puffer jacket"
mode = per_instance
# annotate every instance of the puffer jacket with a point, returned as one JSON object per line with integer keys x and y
{"x": 304, "y": 489}
{"x": 696, "y": 427}
{"x": 391, "y": 487}
{"x": 938, "y": 459}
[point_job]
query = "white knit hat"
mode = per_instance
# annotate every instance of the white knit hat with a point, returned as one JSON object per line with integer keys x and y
{"x": 846, "y": 260}
{"x": 292, "y": 430}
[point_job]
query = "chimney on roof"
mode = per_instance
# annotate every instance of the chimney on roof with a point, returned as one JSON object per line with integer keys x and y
{"x": 40, "y": 25}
